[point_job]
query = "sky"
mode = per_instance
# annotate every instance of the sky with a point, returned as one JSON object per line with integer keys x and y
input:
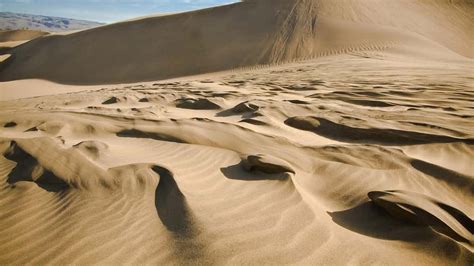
{"x": 104, "y": 10}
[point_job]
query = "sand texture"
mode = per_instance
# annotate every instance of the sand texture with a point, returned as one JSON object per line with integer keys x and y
{"x": 335, "y": 133}
{"x": 240, "y": 35}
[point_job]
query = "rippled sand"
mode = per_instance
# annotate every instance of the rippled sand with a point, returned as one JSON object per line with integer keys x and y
{"x": 338, "y": 160}
{"x": 313, "y": 133}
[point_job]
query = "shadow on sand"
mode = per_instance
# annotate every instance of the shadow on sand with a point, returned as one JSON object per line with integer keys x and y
{"x": 237, "y": 172}
{"x": 371, "y": 220}
{"x": 178, "y": 219}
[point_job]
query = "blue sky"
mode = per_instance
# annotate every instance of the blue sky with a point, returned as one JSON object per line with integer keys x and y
{"x": 104, "y": 10}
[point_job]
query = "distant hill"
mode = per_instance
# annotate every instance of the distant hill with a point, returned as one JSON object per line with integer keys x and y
{"x": 15, "y": 21}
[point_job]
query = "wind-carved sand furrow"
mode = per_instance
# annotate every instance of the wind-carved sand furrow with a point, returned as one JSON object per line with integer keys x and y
{"x": 346, "y": 185}
{"x": 345, "y": 133}
{"x": 190, "y": 160}
{"x": 70, "y": 175}
{"x": 462, "y": 183}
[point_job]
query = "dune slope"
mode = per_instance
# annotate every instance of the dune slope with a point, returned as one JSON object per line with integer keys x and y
{"x": 20, "y": 35}
{"x": 239, "y": 35}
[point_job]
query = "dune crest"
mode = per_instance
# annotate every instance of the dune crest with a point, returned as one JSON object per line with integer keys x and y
{"x": 262, "y": 32}
{"x": 419, "y": 209}
{"x": 20, "y": 35}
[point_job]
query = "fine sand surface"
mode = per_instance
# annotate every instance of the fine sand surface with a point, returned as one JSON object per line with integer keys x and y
{"x": 350, "y": 140}
{"x": 256, "y": 32}
{"x": 20, "y": 35}
{"x": 12, "y": 38}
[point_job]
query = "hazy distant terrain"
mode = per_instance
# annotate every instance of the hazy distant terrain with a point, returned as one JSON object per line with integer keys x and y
{"x": 15, "y": 21}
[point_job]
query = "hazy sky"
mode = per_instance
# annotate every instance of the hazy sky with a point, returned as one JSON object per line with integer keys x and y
{"x": 104, "y": 10}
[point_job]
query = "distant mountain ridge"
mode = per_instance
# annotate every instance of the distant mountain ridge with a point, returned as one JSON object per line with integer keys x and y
{"x": 16, "y": 21}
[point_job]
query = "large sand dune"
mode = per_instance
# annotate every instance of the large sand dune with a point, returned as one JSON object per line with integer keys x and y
{"x": 361, "y": 154}
{"x": 243, "y": 34}
{"x": 20, "y": 35}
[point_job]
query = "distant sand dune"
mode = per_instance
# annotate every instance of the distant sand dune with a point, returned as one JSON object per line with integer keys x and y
{"x": 240, "y": 35}
{"x": 20, "y": 35}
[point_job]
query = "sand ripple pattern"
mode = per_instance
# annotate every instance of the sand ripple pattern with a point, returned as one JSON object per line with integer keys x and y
{"x": 309, "y": 163}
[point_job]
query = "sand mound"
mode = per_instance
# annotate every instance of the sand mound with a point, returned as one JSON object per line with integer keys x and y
{"x": 134, "y": 133}
{"x": 10, "y": 124}
{"x": 267, "y": 164}
{"x": 196, "y": 104}
{"x": 245, "y": 107}
{"x": 112, "y": 100}
{"x": 419, "y": 209}
{"x": 262, "y": 32}
{"x": 329, "y": 129}
{"x": 54, "y": 168}
{"x": 29, "y": 169}
{"x": 93, "y": 149}
{"x": 121, "y": 99}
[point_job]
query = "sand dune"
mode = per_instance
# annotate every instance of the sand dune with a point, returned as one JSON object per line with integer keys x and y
{"x": 422, "y": 210}
{"x": 13, "y": 38}
{"x": 337, "y": 132}
{"x": 20, "y": 35}
{"x": 127, "y": 175}
{"x": 262, "y": 32}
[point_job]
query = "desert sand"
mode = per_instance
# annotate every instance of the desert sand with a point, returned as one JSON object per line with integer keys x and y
{"x": 263, "y": 132}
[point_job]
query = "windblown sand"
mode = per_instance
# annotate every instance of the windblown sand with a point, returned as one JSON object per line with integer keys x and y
{"x": 362, "y": 155}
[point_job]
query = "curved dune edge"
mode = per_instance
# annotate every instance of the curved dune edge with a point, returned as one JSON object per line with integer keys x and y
{"x": 262, "y": 33}
{"x": 419, "y": 209}
{"x": 20, "y": 35}
{"x": 275, "y": 166}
